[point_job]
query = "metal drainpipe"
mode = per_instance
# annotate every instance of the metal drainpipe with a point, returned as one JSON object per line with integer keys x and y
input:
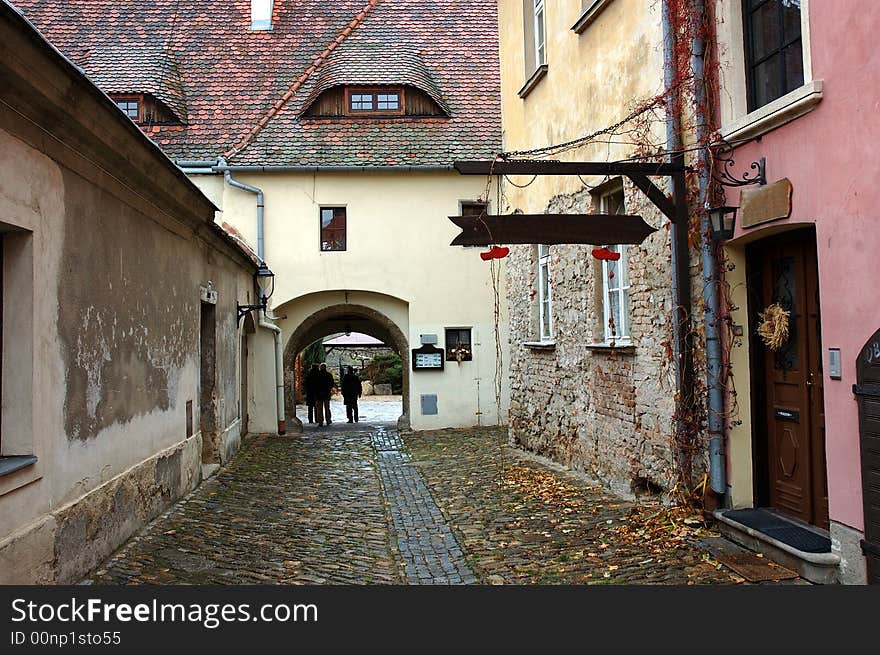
{"x": 680, "y": 252}
{"x": 711, "y": 304}
{"x": 279, "y": 371}
{"x": 262, "y": 322}
{"x": 227, "y": 174}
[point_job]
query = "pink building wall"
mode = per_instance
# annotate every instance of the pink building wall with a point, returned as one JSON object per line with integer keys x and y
{"x": 831, "y": 157}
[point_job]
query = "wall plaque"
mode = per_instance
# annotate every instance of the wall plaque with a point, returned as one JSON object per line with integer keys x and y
{"x": 770, "y": 202}
{"x": 427, "y": 358}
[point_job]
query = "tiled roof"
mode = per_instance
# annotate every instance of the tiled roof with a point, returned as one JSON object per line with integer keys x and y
{"x": 149, "y": 69}
{"x": 242, "y": 92}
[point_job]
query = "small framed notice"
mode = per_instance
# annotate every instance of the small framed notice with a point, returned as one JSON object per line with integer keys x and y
{"x": 427, "y": 358}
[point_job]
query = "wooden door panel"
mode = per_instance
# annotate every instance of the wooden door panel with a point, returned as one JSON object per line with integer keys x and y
{"x": 794, "y": 410}
{"x": 788, "y": 411}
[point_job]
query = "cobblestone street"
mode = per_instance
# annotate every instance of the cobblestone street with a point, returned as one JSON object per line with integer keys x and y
{"x": 354, "y": 504}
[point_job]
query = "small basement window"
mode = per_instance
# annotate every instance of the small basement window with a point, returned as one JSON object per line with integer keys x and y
{"x": 458, "y": 345}
{"x": 374, "y": 101}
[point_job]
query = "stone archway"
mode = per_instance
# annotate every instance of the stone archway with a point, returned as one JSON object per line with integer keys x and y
{"x": 337, "y": 318}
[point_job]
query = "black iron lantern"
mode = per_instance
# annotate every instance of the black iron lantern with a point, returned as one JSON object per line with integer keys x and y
{"x": 264, "y": 280}
{"x": 722, "y": 221}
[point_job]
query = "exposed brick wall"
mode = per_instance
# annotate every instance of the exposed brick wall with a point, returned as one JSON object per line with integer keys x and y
{"x": 608, "y": 413}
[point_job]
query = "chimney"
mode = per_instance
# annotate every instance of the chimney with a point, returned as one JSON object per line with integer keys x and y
{"x": 261, "y": 14}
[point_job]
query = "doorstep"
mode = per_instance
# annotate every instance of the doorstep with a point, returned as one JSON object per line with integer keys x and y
{"x": 820, "y": 568}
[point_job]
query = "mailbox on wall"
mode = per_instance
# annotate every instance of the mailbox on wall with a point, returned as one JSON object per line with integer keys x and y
{"x": 427, "y": 358}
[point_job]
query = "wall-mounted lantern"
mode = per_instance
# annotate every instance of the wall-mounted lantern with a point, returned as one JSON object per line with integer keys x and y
{"x": 264, "y": 280}
{"x": 722, "y": 221}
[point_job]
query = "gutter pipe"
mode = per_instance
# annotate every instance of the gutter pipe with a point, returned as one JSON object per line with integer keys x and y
{"x": 279, "y": 370}
{"x": 226, "y": 170}
{"x": 220, "y": 165}
{"x": 711, "y": 302}
{"x": 337, "y": 169}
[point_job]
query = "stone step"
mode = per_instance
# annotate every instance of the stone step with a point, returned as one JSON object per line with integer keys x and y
{"x": 819, "y": 568}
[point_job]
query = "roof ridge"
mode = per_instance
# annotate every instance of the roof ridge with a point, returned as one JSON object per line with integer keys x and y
{"x": 249, "y": 136}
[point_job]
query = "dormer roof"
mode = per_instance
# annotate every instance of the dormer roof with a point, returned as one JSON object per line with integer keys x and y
{"x": 362, "y": 63}
{"x": 141, "y": 68}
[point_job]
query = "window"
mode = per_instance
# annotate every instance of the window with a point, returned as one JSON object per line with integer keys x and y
{"x": 473, "y": 207}
{"x": 18, "y": 448}
{"x": 131, "y": 105}
{"x": 545, "y": 295}
{"x": 615, "y": 278}
{"x": 535, "y": 43}
{"x": 540, "y": 36}
{"x": 374, "y": 101}
{"x": 774, "y": 49}
{"x": 458, "y": 345}
{"x": 333, "y": 222}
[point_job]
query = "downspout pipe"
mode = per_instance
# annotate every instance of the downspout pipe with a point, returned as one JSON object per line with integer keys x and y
{"x": 262, "y": 322}
{"x": 711, "y": 301}
{"x": 227, "y": 174}
{"x": 679, "y": 249}
{"x": 279, "y": 370}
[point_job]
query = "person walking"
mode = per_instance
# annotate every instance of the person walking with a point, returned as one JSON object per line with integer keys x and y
{"x": 324, "y": 390}
{"x": 351, "y": 390}
{"x": 310, "y": 383}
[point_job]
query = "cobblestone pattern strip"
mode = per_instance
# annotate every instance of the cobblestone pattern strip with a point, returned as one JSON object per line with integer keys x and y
{"x": 518, "y": 529}
{"x": 303, "y": 510}
{"x": 428, "y": 546}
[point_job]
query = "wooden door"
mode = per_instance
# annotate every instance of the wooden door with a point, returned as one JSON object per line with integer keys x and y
{"x": 867, "y": 391}
{"x": 791, "y": 380}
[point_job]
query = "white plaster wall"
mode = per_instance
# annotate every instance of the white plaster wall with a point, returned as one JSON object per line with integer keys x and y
{"x": 398, "y": 237}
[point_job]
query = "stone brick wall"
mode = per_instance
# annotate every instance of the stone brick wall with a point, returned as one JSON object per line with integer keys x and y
{"x": 607, "y": 412}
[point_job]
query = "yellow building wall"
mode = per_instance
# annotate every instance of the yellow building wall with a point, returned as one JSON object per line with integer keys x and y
{"x": 593, "y": 80}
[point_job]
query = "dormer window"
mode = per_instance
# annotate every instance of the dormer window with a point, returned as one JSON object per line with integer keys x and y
{"x": 131, "y": 105}
{"x": 382, "y": 102}
{"x": 144, "y": 109}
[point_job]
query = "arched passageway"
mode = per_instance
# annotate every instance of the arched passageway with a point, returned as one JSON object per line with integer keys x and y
{"x": 335, "y": 319}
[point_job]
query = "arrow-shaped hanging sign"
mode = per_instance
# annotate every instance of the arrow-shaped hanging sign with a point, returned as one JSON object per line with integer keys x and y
{"x": 593, "y": 229}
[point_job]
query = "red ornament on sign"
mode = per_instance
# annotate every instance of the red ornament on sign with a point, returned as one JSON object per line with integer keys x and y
{"x": 605, "y": 254}
{"x": 496, "y": 252}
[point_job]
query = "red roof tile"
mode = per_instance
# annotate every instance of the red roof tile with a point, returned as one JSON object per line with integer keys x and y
{"x": 243, "y": 91}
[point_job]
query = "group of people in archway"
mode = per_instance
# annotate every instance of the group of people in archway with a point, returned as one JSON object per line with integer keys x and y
{"x": 319, "y": 384}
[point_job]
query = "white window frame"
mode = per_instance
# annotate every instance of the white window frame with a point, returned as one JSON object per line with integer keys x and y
{"x": 544, "y": 275}
{"x": 737, "y": 123}
{"x": 622, "y": 333}
{"x": 540, "y": 33}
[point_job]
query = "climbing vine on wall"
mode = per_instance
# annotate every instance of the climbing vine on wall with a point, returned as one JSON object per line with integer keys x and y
{"x": 689, "y": 102}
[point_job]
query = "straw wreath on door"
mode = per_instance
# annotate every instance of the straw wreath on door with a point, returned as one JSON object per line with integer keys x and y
{"x": 773, "y": 327}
